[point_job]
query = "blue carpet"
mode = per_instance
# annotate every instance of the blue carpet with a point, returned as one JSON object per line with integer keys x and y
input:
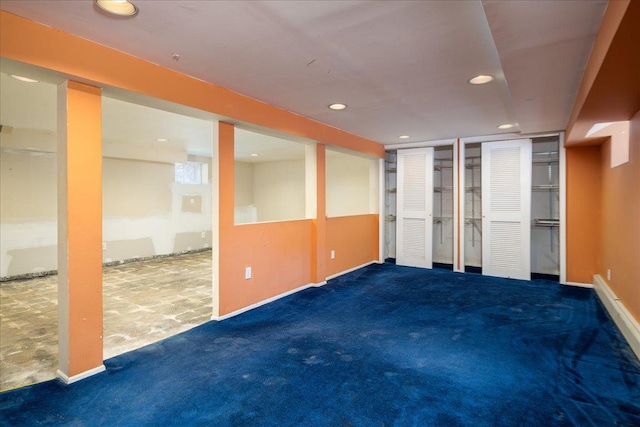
{"x": 382, "y": 346}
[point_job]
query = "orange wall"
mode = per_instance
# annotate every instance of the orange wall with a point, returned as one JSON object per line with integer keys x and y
{"x": 285, "y": 255}
{"x": 355, "y": 240}
{"x": 620, "y": 232}
{"x": 583, "y": 213}
{"x": 278, "y": 253}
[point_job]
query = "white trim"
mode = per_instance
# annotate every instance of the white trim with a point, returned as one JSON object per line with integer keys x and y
{"x": 563, "y": 208}
{"x": 266, "y": 301}
{"x": 70, "y": 380}
{"x": 506, "y": 137}
{"x": 274, "y": 221}
{"x": 578, "y": 284}
{"x": 382, "y": 170}
{"x": 333, "y": 276}
{"x": 625, "y": 322}
{"x": 215, "y": 219}
{"x": 62, "y": 229}
{"x": 291, "y": 292}
{"x": 459, "y": 209}
{"x": 420, "y": 144}
{"x": 470, "y": 140}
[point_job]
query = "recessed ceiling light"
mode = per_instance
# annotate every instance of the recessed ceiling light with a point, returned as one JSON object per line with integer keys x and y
{"x": 118, "y": 7}
{"x": 24, "y": 79}
{"x": 481, "y": 79}
{"x": 255, "y": 155}
{"x": 505, "y": 126}
{"x": 162, "y": 140}
{"x": 337, "y": 106}
{"x": 403, "y": 137}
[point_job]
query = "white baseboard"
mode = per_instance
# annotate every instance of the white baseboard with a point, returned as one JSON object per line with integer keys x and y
{"x": 578, "y": 284}
{"x": 75, "y": 378}
{"x": 629, "y": 326}
{"x": 333, "y": 276}
{"x": 285, "y": 294}
{"x": 263, "y": 302}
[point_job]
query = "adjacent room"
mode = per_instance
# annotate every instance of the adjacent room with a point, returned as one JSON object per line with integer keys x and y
{"x": 156, "y": 227}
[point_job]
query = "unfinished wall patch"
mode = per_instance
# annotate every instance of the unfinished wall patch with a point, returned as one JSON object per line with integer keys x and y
{"x": 192, "y": 203}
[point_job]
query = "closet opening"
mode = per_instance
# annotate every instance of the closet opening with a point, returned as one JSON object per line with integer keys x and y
{"x": 473, "y": 209}
{"x": 443, "y": 207}
{"x": 390, "y": 174}
{"x": 545, "y": 209}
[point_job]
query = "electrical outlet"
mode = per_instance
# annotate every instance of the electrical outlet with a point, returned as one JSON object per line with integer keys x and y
{"x": 608, "y": 274}
{"x": 247, "y": 273}
{"x": 333, "y": 254}
{"x": 203, "y": 234}
{"x": 104, "y": 246}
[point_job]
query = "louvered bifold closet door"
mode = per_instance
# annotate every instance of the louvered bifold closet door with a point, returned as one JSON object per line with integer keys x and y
{"x": 414, "y": 208}
{"x": 506, "y": 209}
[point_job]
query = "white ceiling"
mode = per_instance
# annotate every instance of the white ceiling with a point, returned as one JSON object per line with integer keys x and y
{"x": 401, "y": 66}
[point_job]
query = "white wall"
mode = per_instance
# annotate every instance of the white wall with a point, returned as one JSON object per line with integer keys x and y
{"x": 28, "y": 210}
{"x": 275, "y": 189}
{"x": 144, "y": 212}
{"x": 279, "y": 190}
{"x": 243, "y": 184}
{"x": 348, "y": 185}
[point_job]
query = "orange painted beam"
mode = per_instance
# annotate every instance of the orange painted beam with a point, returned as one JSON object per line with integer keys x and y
{"x": 610, "y": 87}
{"x": 32, "y": 43}
{"x": 79, "y": 230}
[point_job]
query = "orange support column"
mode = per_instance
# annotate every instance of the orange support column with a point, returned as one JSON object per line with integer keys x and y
{"x": 226, "y": 159}
{"x": 319, "y": 228}
{"x": 79, "y": 231}
{"x": 226, "y": 196}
